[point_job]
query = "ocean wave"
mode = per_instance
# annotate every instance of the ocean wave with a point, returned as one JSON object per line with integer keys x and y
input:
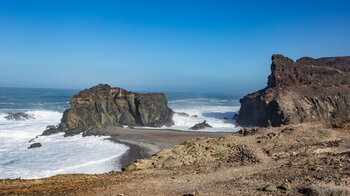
{"x": 58, "y": 154}
{"x": 219, "y": 117}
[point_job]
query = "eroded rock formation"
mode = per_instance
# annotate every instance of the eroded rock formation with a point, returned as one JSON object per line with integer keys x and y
{"x": 102, "y": 106}
{"x": 302, "y": 91}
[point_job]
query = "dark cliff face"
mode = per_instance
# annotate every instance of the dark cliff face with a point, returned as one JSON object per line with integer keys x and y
{"x": 302, "y": 91}
{"x": 102, "y": 106}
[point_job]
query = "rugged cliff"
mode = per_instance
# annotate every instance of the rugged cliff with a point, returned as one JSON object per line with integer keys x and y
{"x": 302, "y": 91}
{"x": 102, "y": 106}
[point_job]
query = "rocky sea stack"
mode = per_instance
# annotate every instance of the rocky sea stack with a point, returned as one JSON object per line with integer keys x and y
{"x": 102, "y": 106}
{"x": 302, "y": 91}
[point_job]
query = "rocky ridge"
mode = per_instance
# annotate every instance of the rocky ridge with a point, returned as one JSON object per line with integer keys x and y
{"x": 102, "y": 106}
{"x": 300, "y": 91}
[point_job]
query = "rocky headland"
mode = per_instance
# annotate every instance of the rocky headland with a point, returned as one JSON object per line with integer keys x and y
{"x": 102, "y": 106}
{"x": 300, "y": 91}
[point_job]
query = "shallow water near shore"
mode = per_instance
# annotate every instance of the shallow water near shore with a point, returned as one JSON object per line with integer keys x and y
{"x": 192, "y": 108}
{"x": 77, "y": 154}
{"x": 58, "y": 154}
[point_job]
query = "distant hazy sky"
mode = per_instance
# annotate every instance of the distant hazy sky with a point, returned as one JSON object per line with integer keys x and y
{"x": 162, "y": 45}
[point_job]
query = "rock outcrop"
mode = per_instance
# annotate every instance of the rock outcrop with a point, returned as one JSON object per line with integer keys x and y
{"x": 35, "y": 145}
{"x": 201, "y": 125}
{"x": 302, "y": 91}
{"x": 102, "y": 106}
{"x": 19, "y": 116}
{"x": 182, "y": 114}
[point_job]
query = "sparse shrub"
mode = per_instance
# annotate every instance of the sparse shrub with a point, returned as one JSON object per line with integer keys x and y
{"x": 220, "y": 155}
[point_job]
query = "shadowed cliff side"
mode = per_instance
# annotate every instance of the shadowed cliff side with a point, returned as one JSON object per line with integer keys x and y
{"x": 102, "y": 106}
{"x": 302, "y": 91}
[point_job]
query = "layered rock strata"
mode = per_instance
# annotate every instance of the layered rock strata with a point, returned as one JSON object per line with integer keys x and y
{"x": 300, "y": 91}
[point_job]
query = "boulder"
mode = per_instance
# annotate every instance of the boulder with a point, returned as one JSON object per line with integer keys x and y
{"x": 285, "y": 186}
{"x": 51, "y": 129}
{"x": 35, "y": 145}
{"x": 300, "y": 91}
{"x": 102, "y": 106}
{"x": 182, "y": 114}
{"x": 19, "y": 116}
{"x": 201, "y": 125}
{"x": 270, "y": 188}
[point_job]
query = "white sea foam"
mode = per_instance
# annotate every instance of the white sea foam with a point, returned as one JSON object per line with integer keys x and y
{"x": 74, "y": 154}
{"x": 91, "y": 154}
{"x": 219, "y": 117}
{"x": 217, "y": 112}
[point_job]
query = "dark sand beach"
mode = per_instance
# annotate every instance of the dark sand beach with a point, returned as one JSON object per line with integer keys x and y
{"x": 146, "y": 142}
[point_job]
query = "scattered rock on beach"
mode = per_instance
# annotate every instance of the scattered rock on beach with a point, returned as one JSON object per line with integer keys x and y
{"x": 35, "y": 145}
{"x": 201, "y": 125}
{"x": 19, "y": 116}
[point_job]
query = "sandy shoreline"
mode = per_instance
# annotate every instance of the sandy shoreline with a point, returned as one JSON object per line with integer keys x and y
{"x": 146, "y": 142}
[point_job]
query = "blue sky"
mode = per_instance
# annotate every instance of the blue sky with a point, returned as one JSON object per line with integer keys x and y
{"x": 200, "y": 46}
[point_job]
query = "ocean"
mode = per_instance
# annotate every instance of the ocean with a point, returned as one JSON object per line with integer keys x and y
{"x": 93, "y": 154}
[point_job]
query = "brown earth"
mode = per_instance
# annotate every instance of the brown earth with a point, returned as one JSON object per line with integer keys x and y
{"x": 310, "y": 157}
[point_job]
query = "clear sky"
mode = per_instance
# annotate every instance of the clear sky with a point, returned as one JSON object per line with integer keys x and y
{"x": 210, "y": 46}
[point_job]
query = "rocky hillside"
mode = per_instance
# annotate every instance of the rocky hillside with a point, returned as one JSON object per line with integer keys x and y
{"x": 102, "y": 106}
{"x": 300, "y": 159}
{"x": 302, "y": 91}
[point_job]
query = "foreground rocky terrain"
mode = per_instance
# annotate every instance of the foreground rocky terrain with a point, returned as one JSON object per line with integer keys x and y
{"x": 302, "y": 159}
{"x": 302, "y": 91}
{"x": 102, "y": 106}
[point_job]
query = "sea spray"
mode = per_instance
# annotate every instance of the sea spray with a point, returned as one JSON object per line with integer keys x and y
{"x": 57, "y": 155}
